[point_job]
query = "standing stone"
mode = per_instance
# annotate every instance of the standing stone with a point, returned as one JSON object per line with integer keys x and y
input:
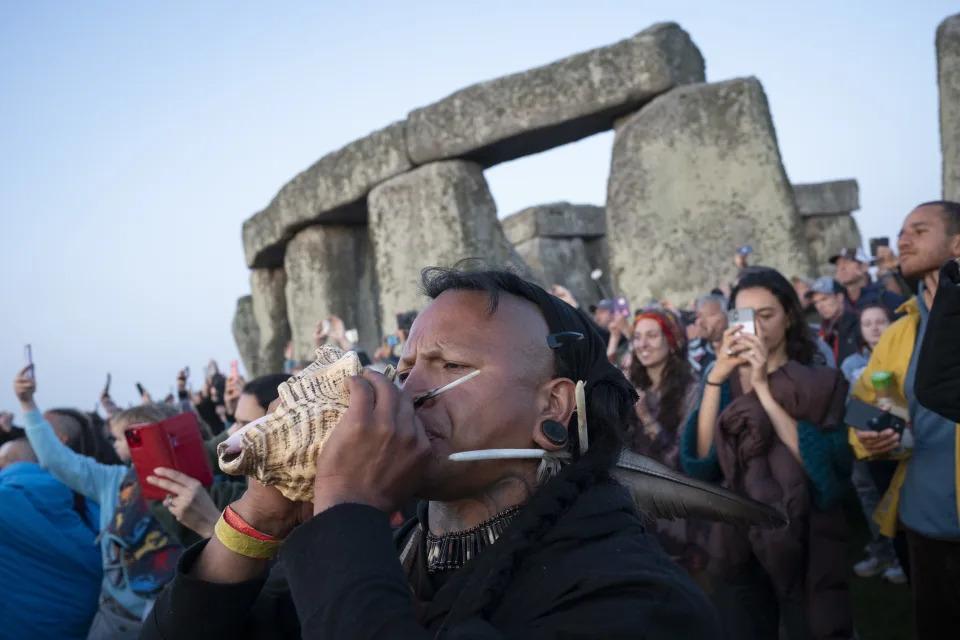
{"x": 695, "y": 174}
{"x": 246, "y": 334}
{"x": 434, "y": 215}
{"x": 330, "y": 271}
{"x": 572, "y": 98}
{"x": 948, "y": 68}
{"x": 557, "y": 242}
{"x": 270, "y": 312}
{"x": 828, "y": 223}
{"x": 332, "y": 191}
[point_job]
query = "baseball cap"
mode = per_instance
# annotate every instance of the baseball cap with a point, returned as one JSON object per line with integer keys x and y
{"x": 603, "y": 304}
{"x": 826, "y": 284}
{"x": 852, "y": 253}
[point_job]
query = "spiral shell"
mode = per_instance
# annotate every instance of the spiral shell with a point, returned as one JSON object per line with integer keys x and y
{"x": 281, "y": 448}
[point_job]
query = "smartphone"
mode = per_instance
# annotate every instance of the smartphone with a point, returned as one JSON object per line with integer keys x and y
{"x": 106, "y": 387}
{"x": 352, "y": 336}
{"x": 621, "y": 306}
{"x": 234, "y": 369}
{"x": 744, "y": 318}
{"x": 867, "y": 417}
{"x": 140, "y": 389}
{"x": 174, "y": 443}
{"x": 744, "y": 250}
{"x": 878, "y": 242}
{"x": 326, "y": 327}
{"x": 393, "y": 340}
{"x": 28, "y": 356}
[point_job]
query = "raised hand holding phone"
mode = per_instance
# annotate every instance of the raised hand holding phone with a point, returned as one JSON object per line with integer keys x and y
{"x": 28, "y": 356}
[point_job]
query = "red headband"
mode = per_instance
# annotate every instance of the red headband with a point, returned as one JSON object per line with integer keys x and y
{"x": 664, "y": 323}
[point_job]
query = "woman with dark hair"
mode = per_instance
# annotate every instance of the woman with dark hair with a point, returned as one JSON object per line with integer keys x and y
{"x": 875, "y": 318}
{"x": 770, "y": 425}
{"x": 668, "y": 391}
{"x": 665, "y": 383}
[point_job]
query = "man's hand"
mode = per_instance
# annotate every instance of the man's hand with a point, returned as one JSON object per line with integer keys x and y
{"x": 24, "y": 387}
{"x": 6, "y": 421}
{"x": 886, "y": 260}
{"x": 878, "y": 443}
{"x": 377, "y": 453}
{"x": 189, "y": 502}
{"x": 564, "y": 294}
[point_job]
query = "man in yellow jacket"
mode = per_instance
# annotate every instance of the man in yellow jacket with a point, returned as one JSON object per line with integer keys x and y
{"x": 925, "y": 492}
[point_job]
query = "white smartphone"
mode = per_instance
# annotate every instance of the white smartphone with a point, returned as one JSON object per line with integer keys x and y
{"x": 743, "y": 318}
{"x": 352, "y": 336}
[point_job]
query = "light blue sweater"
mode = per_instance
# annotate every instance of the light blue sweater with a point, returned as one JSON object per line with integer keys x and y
{"x": 97, "y": 482}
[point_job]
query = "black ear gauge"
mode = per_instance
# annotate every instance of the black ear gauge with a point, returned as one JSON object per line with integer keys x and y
{"x": 563, "y": 338}
{"x": 555, "y": 432}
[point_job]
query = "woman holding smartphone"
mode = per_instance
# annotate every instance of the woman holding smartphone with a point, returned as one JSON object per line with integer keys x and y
{"x": 769, "y": 424}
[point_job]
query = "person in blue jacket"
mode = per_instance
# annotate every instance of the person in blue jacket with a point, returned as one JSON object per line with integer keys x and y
{"x": 49, "y": 561}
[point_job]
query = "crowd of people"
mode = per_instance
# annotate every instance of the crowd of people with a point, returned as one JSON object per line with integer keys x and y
{"x": 754, "y": 386}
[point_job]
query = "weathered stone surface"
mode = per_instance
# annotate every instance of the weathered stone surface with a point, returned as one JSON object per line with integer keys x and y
{"x": 535, "y": 110}
{"x": 827, "y": 198}
{"x": 246, "y": 334}
{"x": 695, "y": 174}
{"x": 826, "y": 235}
{"x": 561, "y": 261}
{"x": 948, "y": 68}
{"x": 270, "y": 312}
{"x": 555, "y": 220}
{"x": 434, "y": 215}
{"x": 332, "y": 191}
{"x": 330, "y": 271}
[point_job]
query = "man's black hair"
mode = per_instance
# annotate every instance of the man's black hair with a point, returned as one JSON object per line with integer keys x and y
{"x": 405, "y": 320}
{"x": 950, "y": 211}
{"x": 264, "y": 388}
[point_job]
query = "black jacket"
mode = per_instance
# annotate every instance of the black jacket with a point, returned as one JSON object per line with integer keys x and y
{"x": 844, "y": 337}
{"x": 937, "y": 382}
{"x": 593, "y": 574}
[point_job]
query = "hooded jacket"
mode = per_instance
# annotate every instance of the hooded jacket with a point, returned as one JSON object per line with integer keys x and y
{"x": 593, "y": 574}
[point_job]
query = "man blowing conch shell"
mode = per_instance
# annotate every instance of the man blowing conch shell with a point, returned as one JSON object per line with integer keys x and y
{"x": 500, "y": 548}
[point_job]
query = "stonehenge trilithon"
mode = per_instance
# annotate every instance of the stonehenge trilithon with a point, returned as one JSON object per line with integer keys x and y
{"x": 270, "y": 313}
{"x": 246, "y": 334}
{"x": 948, "y": 68}
{"x": 436, "y": 214}
{"x": 828, "y": 224}
{"x": 696, "y": 173}
{"x": 330, "y": 271}
{"x": 535, "y": 110}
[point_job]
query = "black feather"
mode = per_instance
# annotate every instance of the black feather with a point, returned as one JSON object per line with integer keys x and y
{"x": 664, "y": 493}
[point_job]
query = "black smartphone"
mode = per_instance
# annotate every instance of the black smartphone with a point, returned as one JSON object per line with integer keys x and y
{"x": 878, "y": 242}
{"x": 106, "y": 387}
{"x": 867, "y": 417}
{"x": 140, "y": 388}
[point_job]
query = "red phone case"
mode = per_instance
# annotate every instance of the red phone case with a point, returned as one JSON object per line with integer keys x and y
{"x": 174, "y": 443}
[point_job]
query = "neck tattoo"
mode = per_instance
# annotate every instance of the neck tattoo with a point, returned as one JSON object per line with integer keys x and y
{"x": 453, "y": 550}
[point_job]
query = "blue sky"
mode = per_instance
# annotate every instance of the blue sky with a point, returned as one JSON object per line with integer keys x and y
{"x": 137, "y": 137}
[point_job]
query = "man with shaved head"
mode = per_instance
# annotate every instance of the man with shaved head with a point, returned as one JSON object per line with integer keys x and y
{"x": 541, "y": 546}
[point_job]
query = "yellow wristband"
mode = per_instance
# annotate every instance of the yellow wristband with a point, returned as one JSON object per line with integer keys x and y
{"x": 243, "y": 544}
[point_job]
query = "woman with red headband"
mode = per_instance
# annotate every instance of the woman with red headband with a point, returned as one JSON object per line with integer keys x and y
{"x": 668, "y": 390}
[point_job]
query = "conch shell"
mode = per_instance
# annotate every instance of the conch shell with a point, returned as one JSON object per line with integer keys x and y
{"x": 280, "y": 449}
